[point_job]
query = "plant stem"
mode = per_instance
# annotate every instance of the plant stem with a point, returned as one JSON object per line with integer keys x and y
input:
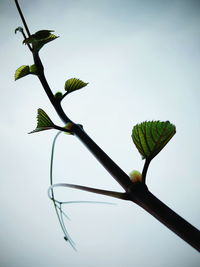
{"x": 137, "y": 192}
{"x": 145, "y": 199}
{"x": 24, "y": 22}
{"x": 90, "y": 189}
{"x": 116, "y": 172}
{"x": 144, "y": 171}
{"x": 121, "y": 177}
{"x": 22, "y": 18}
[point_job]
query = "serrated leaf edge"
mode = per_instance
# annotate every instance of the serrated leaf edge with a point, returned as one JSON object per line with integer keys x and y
{"x": 43, "y": 122}
{"x": 157, "y": 148}
{"x": 19, "y": 72}
{"x": 74, "y": 84}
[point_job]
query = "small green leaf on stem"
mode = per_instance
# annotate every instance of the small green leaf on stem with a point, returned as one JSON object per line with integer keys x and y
{"x": 40, "y": 38}
{"x": 150, "y": 137}
{"x": 22, "y": 71}
{"x": 42, "y": 42}
{"x": 43, "y": 34}
{"x": 33, "y": 69}
{"x": 43, "y": 122}
{"x": 74, "y": 84}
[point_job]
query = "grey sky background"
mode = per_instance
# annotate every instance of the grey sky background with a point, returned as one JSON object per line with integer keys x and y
{"x": 142, "y": 61}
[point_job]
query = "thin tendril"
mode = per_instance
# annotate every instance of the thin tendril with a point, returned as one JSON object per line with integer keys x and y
{"x": 65, "y": 230}
{"x": 57, "y": 204}
{"x": 52, "y": 158}
{"x": 59, "y": 207}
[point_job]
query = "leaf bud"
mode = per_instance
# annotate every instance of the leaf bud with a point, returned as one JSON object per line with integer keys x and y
{"x": 135, "y": 176}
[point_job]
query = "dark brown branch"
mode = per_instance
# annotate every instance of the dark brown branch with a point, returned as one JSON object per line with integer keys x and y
{"x": 138, "y": 193}
{"x": 145, "y": 199}
{"x": 92, "y": 190}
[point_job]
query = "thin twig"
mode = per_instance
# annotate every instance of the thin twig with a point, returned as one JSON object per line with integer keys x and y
{"x": 22, "y": 18}
{"x": 109, "y": 193}
{"x": 25, "y": 24}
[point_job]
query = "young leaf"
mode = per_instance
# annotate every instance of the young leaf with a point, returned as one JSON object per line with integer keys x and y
{"x": 43, "y": 34}
{"x": 33, "y": 69}
{"x": 21, "y": 72}
{"x": 58, "y": 95}
{"x": 40, "y": 38}
{"x": 43, "y": 122}
{"x": 46, "y": 40}
{"x": 74, "y": 84}
{"x": 151, "y": 136}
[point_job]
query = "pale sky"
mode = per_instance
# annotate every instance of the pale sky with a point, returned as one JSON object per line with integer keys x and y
{"x": 142, "y": 62}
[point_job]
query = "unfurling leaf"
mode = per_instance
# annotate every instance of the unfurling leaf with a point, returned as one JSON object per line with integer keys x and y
{"x": 58, "y": 95}
{"x": 21, "y": 72}
{"x": 40, "y": 38}
{"x": 74, "y": 84}
{"x": 43, "y": 122}
{"x": 151, "y": 136}
{"x": 43, "y": 34}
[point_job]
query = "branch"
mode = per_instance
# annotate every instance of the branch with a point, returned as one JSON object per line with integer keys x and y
{"x": 89, "y": 189}
{"x": 22, "y": 18}
{"x": 145, "y": 199}
{"x": 24, "y": 23}
{"x": 137, "y": 192}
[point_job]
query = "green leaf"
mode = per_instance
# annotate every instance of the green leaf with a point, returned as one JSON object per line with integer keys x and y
{"x": 40, "y": 38}
{"x": 74, "y": 84}
{"x": 43, "y": 34}
{"x": 43, "y": 122}
{"x": 46, "y": 40}
{"x": 151, "y": 136}
{"x": 33, "y": 69}
{"x": 21, "y": 72}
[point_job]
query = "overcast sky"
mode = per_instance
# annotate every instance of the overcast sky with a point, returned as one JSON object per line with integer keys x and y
{"x": 142, "y": 62}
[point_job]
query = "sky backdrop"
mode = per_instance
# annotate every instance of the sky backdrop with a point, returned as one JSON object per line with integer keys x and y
{"x": 142, "y": 62}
